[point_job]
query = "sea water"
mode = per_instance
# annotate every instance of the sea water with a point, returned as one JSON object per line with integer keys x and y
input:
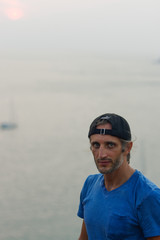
{"x": 45, "y": 160}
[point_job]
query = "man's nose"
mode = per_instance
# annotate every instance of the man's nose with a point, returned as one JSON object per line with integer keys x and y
{"x": 103, "y": 153}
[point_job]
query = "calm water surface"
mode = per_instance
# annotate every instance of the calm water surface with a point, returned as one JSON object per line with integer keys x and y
{"x": 45, "y": 161}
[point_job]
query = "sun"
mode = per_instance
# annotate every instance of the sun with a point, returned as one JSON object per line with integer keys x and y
{"x": 14, "y": 13}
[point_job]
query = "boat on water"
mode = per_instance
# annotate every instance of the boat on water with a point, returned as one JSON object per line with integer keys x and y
{"x": 8, "y": 125}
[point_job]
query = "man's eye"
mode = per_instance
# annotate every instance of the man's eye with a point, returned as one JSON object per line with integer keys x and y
{"x": 95, "y": 145}
{"x": 111, "y": 145}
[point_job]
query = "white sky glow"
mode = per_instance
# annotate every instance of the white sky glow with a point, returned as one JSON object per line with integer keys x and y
{"x": 14, "y": 13}
{"x": 110, "y": 26}
{"x": 13, "y": 9}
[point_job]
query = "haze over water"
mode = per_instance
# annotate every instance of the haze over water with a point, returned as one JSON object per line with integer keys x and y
{"x": 45, "y": 161}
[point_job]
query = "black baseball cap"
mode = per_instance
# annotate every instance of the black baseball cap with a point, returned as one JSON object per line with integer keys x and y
{"x": 120, "y": 127}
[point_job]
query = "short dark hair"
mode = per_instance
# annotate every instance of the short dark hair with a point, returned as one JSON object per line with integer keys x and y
{"x": 124, "y": 143}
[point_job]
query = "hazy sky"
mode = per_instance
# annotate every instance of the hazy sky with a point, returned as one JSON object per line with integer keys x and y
{"x": 107, "y": 26}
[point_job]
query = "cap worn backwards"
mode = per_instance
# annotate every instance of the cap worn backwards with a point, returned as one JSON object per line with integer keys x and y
{"x": 120, "y": 127}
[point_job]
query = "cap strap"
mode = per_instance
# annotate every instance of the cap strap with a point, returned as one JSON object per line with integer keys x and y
{"x": 104, "y": 131}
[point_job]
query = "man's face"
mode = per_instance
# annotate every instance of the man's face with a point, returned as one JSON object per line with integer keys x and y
{"x": 107, "y": 151}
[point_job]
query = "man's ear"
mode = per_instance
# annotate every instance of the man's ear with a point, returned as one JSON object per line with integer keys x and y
{"x": 129, "y": 146}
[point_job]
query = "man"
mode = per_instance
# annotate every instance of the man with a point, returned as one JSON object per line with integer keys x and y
{"x": 119, "y": 203}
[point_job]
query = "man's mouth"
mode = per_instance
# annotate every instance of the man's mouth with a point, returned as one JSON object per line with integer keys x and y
{"x": 104, "y": 162}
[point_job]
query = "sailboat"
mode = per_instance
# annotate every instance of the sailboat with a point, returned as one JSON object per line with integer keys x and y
{"x": 10, "y": 124}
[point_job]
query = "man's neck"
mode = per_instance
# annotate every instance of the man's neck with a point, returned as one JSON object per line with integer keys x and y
{"x": 118, "y": 177}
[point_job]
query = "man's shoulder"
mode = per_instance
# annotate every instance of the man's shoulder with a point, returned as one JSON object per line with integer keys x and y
{"x": 145, "y": 188}
{"x": 90, "y": 183}
{"x": 144, "y": 183}
{"x": 93, "y": 178}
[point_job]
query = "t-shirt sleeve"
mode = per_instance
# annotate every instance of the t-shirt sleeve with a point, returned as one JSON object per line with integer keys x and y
{"x": 149, "y": 214}
{"x": 85, "y": 190}
{"x": 80, "y": 212}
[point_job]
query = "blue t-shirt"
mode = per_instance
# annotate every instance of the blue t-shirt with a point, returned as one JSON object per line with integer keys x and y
{"x": 129, "y": 212}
